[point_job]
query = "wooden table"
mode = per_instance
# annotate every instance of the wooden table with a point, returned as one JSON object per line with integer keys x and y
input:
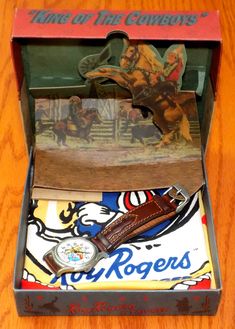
{"x": 220, "y": 161}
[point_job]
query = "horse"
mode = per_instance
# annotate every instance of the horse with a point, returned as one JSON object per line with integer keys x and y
{"x": 81, "y": 127}
{"x": 142, "y": 131}
{"x": 130, "y": 115}
{"x": 142, "y": 73}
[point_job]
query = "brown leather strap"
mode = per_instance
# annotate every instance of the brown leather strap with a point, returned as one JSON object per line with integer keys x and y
{"x": 49, "y": 259}
{"x": 135, "y": 222}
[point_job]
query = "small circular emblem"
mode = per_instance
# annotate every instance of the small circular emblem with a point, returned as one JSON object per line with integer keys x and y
{"x": 75, "y": 252}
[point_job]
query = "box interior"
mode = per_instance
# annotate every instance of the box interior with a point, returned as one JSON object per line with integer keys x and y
{"x": 51, "y": 71}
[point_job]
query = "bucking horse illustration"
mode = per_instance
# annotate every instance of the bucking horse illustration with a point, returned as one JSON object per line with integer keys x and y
{"x": 154, "y": 83}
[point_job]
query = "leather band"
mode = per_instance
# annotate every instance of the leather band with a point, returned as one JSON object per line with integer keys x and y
{"x": 135, "y": 222}
{"x": 49, "y": 259}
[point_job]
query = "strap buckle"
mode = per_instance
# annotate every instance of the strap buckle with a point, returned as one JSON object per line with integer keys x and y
{"x": 179, "y": 195}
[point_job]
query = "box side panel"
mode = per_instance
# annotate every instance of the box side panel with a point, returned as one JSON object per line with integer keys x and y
{"x": 26, "y": 117}
{"x": 17, "y": 62}
{"x": 211, "y": 233}
{"x": 215, "y": 67}
{"x": 22, "y": 94}
{"x": 208, "y": 106}
{"x": 22, "y": 232}
{"x": 75, "y": 303}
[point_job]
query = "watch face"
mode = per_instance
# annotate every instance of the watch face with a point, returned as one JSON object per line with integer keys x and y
{"x": 75, "y": 252}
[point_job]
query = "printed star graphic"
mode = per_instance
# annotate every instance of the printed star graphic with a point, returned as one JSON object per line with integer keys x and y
{"x": 84, "y": 298}
{"x": 196, "y": 298}
{"x": 39, "y": 297}
{"x": 122, "y": 299}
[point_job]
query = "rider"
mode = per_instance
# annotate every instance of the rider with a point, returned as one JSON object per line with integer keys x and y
{"x": 171, "y": 71}
{"x": 173, "y": 66}
{"x": 76, "y": 111}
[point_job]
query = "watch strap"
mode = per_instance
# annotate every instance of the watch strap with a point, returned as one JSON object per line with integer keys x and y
{"x": 135, "y": 222}
{"x": 49, "y": 259}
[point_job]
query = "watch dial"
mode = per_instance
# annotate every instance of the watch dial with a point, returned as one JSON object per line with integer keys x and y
{"x": 75, "y": 251}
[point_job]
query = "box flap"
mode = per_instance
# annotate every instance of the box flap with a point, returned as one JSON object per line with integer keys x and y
{"x": 161, "y": 25}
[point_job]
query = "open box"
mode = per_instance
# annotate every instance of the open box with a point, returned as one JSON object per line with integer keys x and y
{"x": 53, "y": 51}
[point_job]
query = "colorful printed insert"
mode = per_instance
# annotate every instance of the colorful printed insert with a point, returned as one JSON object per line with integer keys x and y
{"x": 172, "y": 255}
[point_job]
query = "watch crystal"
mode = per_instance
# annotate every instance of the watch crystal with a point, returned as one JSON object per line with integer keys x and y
{"x": 75, "y": 252}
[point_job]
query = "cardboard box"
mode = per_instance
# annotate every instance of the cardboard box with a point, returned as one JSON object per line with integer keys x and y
{"x": 47, "y": 46}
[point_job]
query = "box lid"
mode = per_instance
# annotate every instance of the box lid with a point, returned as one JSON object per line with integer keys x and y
{"x": 42, "y": 36}
{"x": 170, "y": 25}
{"x": 191, "y": 26}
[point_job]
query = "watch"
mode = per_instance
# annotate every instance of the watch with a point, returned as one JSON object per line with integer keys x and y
{"x": 79, "y": 254}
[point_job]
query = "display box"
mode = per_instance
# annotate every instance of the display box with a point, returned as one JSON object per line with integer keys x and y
{"x": 116, "y": 101}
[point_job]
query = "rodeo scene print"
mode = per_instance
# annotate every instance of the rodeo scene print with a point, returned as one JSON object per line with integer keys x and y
{"x": 173, "y": 255}
{"x": 111, "y": 127}
{"x": 158, "y": 119}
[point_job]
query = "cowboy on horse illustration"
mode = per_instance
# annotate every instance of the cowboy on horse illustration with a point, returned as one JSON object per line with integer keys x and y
{"x": 154, "y": 84}
{"x": 78, "y": 123}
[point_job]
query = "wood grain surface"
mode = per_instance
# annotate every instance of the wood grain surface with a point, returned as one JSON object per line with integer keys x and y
{"x": 220, "y": 160}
